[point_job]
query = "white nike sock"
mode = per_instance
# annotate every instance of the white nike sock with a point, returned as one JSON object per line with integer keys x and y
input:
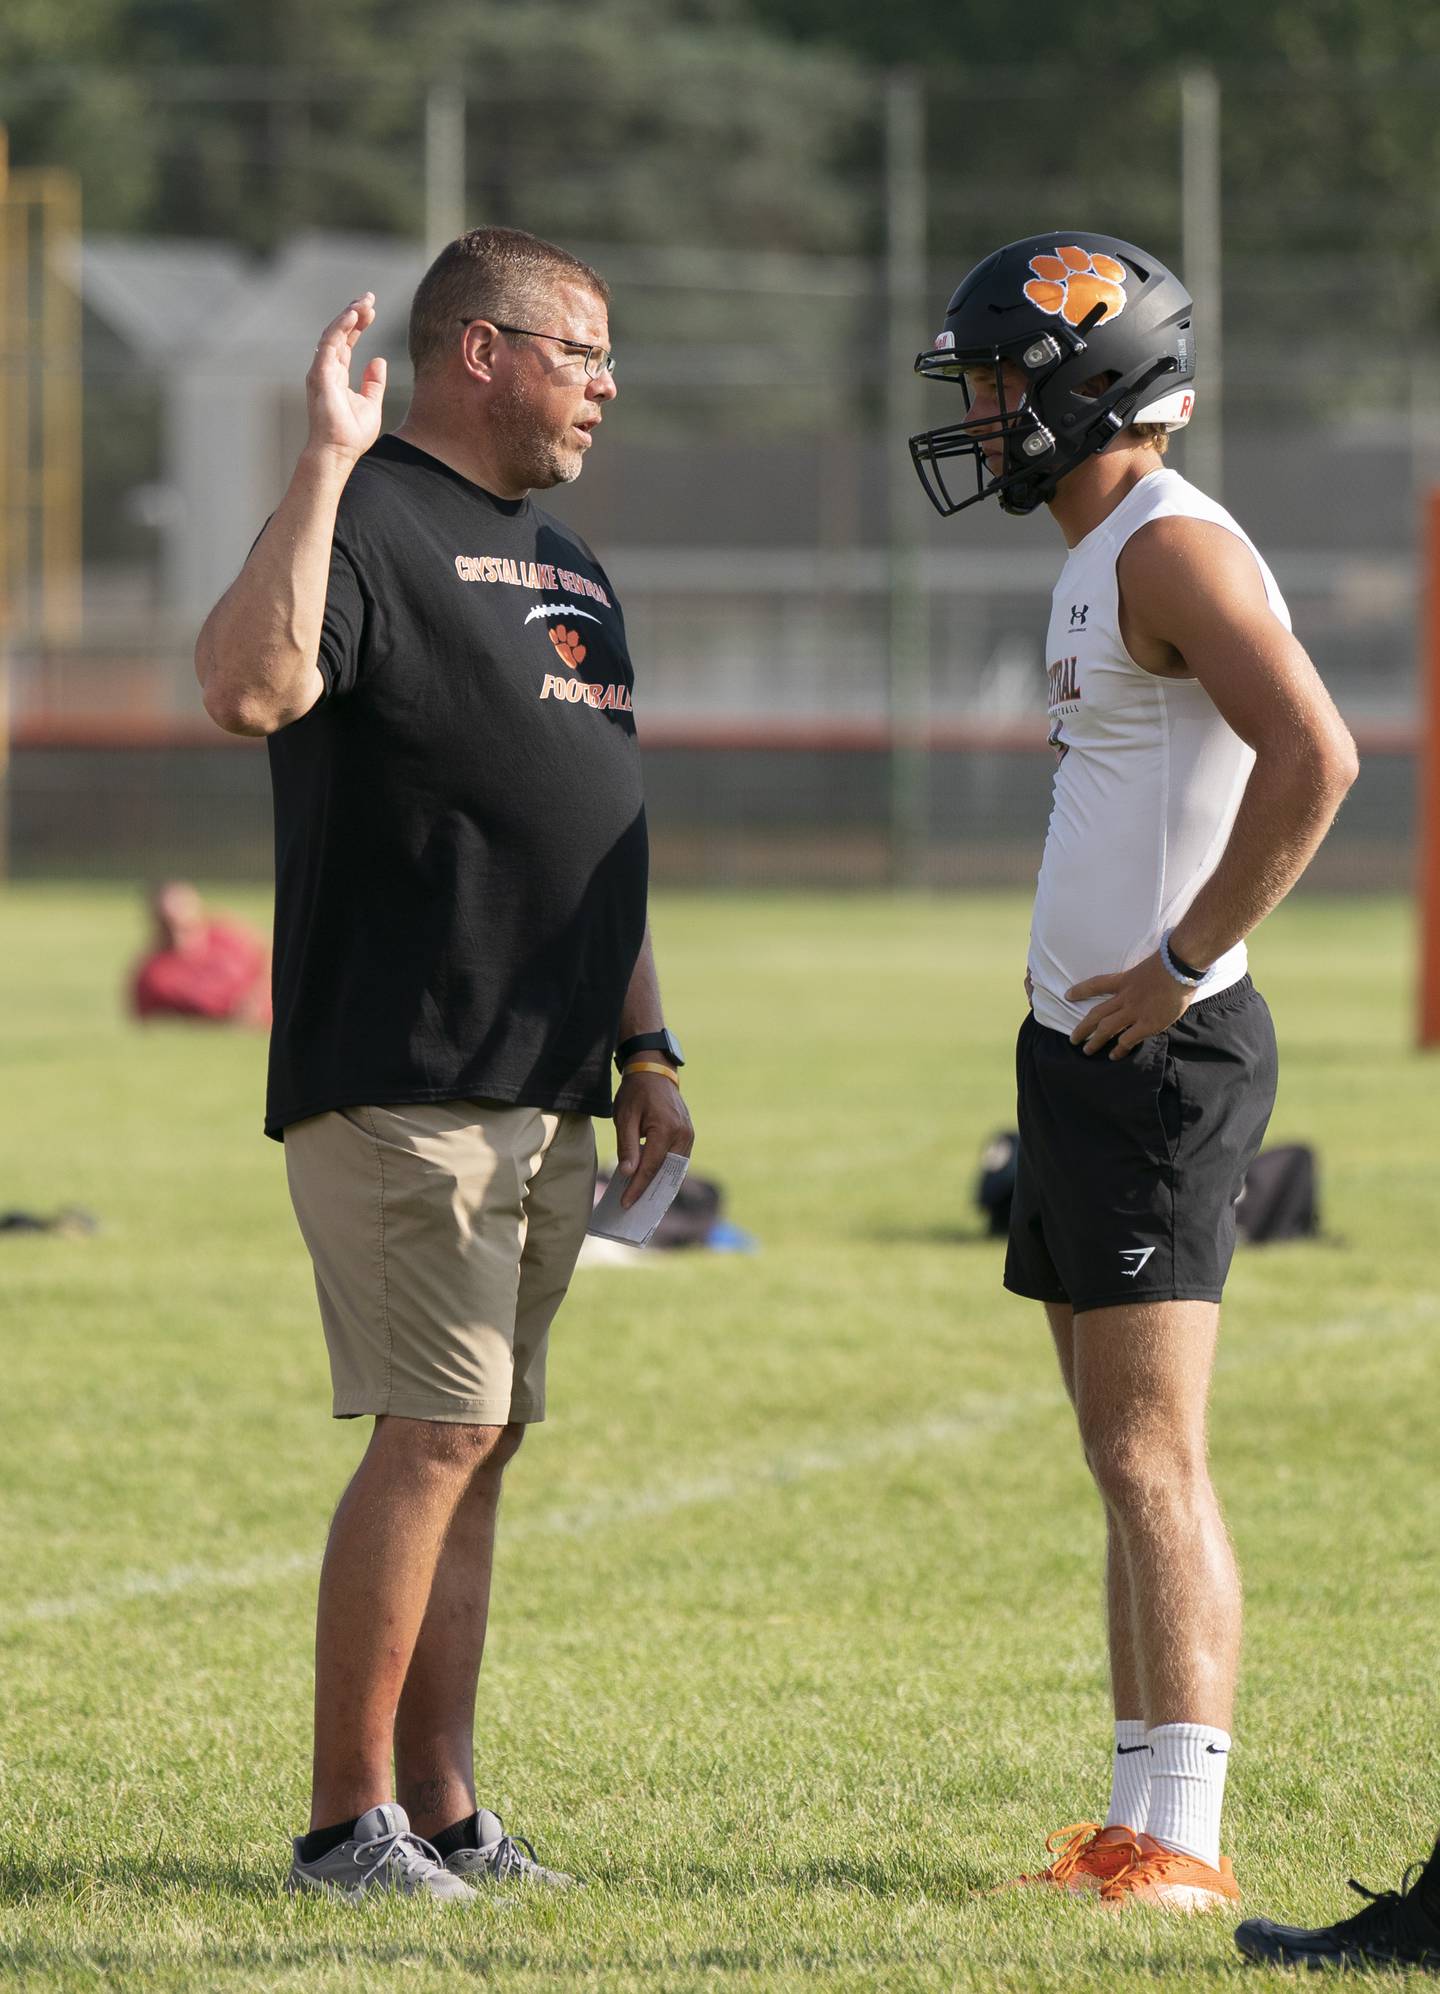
{"x": 1130, "y": 1782}
{"x": 1188, "y": 1763}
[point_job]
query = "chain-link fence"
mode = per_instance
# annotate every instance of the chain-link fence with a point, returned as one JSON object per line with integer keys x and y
{"x": 833, "y": 682}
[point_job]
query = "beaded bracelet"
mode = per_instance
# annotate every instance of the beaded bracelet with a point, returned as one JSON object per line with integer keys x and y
{"x": 1193, "y": 979}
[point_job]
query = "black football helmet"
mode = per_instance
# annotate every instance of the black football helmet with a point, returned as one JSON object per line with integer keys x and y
{"x": 1065, "y": 307}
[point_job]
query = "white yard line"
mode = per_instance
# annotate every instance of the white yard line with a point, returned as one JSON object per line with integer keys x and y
{"x": 980, "y": 1419}
{"x": 126, "y": 1586}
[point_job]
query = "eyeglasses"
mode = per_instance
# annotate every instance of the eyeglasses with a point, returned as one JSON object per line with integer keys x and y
{"x": 598, "y": 359}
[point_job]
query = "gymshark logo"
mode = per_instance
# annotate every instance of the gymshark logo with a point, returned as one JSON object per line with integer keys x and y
{"x": 1078, "y": 613}
{"x": 1139, "y": 1254}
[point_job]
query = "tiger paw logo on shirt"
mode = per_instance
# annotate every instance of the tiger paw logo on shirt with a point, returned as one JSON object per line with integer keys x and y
{"x": 575, "y": 691}
{"x": 567, "y": 643}
{"x": 566, "y": 636}
{"x": 1072, "y": 282}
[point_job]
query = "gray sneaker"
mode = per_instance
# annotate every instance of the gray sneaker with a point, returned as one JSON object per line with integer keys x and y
{"x": 382, "y": 1854}
{"x": 501, "y": 1857}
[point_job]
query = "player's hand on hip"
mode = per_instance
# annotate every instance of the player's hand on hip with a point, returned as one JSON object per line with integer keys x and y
{"x": 341, "y": 421}
{"x": 1133, "y": 1004}
{"x": 651, "y": 1120}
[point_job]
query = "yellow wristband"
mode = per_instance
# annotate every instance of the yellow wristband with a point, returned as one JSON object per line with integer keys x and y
{"x": 650, "y": 1066}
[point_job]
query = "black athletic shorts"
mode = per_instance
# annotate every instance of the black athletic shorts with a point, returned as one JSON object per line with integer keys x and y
{"x": 1129, "y": 1169}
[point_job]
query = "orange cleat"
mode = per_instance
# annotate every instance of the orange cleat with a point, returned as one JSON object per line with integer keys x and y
{"x": 1087, "y": 1857}
{"x": 1171, "y": 1879}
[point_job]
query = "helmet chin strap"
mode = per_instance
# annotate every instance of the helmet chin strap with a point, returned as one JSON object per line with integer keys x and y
{"x": 1037, "y": 458}
{"x": 1029, "y": 491}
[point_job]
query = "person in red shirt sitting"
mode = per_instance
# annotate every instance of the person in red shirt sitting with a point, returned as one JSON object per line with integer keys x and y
{"x": 200, "y": 968}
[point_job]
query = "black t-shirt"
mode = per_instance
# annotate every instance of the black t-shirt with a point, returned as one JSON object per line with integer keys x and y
{"x": 460, "y": 843}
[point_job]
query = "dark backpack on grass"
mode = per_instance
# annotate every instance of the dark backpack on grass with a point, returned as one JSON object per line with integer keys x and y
{"x": 996, "y": 1186}
{"x": 1281, "y": 1196}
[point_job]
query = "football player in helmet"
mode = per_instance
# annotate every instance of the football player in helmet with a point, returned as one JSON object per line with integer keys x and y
{"x": 1082, "y": 338}
{"x": 1201, "y": 762}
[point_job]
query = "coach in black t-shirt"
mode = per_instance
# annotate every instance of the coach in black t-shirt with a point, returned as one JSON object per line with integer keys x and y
{"x": 460, "y": 949}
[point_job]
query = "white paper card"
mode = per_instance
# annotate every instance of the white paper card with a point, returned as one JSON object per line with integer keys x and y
{"x": 637, "y": 1226}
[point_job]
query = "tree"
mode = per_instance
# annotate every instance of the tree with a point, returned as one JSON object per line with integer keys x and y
{"x": 628, "y": 120}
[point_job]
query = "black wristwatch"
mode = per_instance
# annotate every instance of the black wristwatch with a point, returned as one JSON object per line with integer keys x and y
{"x": 663, "y": 1041}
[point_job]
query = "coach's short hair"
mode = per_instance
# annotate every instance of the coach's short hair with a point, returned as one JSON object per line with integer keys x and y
{"x": 494, "y": 273}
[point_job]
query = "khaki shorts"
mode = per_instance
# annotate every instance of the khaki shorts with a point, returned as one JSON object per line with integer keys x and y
{"x": 444, "y": 1237}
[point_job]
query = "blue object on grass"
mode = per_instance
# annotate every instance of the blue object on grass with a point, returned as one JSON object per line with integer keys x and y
{"x": 723, "y": 1237}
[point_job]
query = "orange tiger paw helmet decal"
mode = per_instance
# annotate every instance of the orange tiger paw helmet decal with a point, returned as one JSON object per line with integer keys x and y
{"x": 1072, "y": 282}
{"x": 567, "y": 643}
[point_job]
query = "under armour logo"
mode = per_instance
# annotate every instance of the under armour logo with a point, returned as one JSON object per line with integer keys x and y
{"x": 1139, "y": 1254}
{"x": 1078, "y": 613}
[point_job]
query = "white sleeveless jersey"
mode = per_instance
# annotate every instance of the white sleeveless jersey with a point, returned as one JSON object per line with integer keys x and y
{"x": 1149, "y": 779}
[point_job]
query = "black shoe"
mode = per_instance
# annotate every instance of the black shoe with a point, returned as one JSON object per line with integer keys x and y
{"x": 1392, "y": 1930}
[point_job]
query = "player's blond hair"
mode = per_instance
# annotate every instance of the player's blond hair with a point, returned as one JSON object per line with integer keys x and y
{"x": 495, "y": 273}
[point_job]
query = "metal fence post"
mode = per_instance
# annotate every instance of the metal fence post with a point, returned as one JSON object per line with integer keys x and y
{"x": 1201, "y": 250}
{"x": 909, "y": 632}
{"x": 444, "y": 165}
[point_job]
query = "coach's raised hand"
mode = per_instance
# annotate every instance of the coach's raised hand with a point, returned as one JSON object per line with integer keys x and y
{"x": 340, "y": 419}
{"x": 257, "y": 655}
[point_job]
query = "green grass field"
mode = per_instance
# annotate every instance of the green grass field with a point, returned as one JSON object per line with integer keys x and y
{"x": 796, "y": 1638}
